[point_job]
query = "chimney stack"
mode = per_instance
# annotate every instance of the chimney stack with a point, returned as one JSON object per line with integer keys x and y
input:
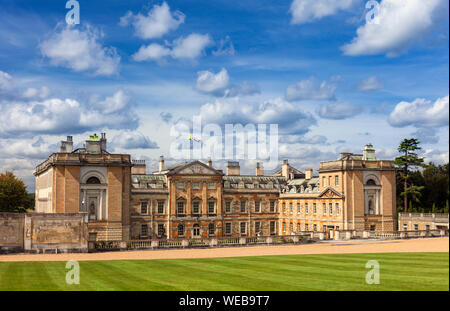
{"x": 259, "y": 169}
{"x": 103, "y": 142}
{"x": 308, "y": 173}
{"x": 209, "y": 163}
{"x": 67, "y": 145}
{"x": 233, "y": 168}
{"x": 285, "y": 169}
{"x": 161, "y": 164}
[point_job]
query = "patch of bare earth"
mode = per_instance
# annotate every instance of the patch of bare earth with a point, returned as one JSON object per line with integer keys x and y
{"x": 338, "y": 247}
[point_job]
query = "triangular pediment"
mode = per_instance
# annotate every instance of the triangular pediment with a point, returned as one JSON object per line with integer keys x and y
{"x": 195, "y": 168}
{"x": 330, "y": 192}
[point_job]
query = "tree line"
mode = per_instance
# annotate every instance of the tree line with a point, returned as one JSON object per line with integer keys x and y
{"x": 421, "y": 187}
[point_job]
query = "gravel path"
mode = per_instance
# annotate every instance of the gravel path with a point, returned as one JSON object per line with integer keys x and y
{"x": 341, "y": 247}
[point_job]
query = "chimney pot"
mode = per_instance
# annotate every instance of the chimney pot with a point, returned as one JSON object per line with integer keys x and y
{"x": 161, "y": 164}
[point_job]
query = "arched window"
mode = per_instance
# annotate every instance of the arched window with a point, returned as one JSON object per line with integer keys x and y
{"x": 371, "y": 182}
{"x": 93, "y": 180}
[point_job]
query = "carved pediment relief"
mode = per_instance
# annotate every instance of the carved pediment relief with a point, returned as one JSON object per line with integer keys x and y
{"x": 196, "y": 168}
{"x": 330, "y": 193}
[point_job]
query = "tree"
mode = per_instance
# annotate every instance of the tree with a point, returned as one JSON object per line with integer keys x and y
{"x": 406, "y": 161}
{"x": 13, "y": 194}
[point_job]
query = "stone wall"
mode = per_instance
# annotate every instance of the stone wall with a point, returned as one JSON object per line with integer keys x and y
{"x": 36, "y": 232}
{"x": 11, "y": 232}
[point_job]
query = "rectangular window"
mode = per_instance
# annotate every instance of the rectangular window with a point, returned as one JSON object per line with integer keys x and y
{"x": 180, "y": 208}
{"x": 243, "y": 228}
{"x": 257, "y": 227}
{"x": 161, "y": 230}
{"x": 257, "y": 206}
{"x": 144, "y": 231}
{"x": 336, "y": 181}
{"x": 196, "y": 208}
{"x": 372, "y": 227}
{"x": 284, "y": 227}
{"x": 211, "y": 229}
{"x": 324, "y": 206}
{"x": 324, "y": 181}
{"x": 338, "y": 212}
{"x": 306, "y": 227}
{"x": 180, "y": 185}
{"x": 144, "y": 208}
{"x": 228, "y": 207}
{"x": 211, "y": 208}
{"x": 306, "y": 208}
{"x": 315, "y": 228}
{"x": 314, "y": 208}
{"x": 228, "y": 228}
{"x": 272, "y": 206}
{"x": 211, "y": 185}
{"x": 427, "y": 227}
{"x": 272, "y": 228}
{"x": 331, "y": 208}
{"x": 299, "y": 227}
{"x": 196, "y": 185}
{"x": 284, "y": 207}
{"x": 291, "y": 209}
{"x": 180, "y": 230}
{"x": 160, "y": 207}
{"x": 416, "y": 227}
{"x": 405, "y": 227}
{"x": 298, "y": 208}
{"x": 291, "y": 227}
{"x": 243, "y": 206}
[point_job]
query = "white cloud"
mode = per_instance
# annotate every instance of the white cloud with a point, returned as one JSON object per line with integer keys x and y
{"x": 290, "y": 119}
{"x": 304, "y": 11}
{"x": 80, "y": 50}
{"x": 370, "y": 84}
{"x": 398, "y": 24}
{"x": 6, "y": 81}
{"x": 209, "y": 82}
{"x": 310, "y": 89}
{"x": 25, "y": 148}
{"x": 31, "y": 92}
{"x": 112, "y": 104}
{"x": 189, "y": 47}
{"x": 338, "y": 111}
{"x": 153, "y": 51}
{"x": 158, "y": 22}
{"x": 57, "y": 116}
{"x": 300, "y": 139}
{"x": 421, "y": 113}
{"x": 426, "y": 135}
{"x": 436, "y": 156}
{"x": 166, "y": 116}
{"x": 133, "y": 140}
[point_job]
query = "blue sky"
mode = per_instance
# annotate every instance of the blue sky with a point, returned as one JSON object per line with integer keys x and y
{"x": 134, "y": 69}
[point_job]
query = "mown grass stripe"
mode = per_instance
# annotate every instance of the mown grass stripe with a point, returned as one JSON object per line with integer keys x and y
{"x": 399, "y": 271}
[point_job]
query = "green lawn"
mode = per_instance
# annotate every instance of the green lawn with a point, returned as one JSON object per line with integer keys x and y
{"x": 398, "y": 271}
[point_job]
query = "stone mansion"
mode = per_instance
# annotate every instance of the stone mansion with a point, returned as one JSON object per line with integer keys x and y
{"x": 121, "y": 201}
